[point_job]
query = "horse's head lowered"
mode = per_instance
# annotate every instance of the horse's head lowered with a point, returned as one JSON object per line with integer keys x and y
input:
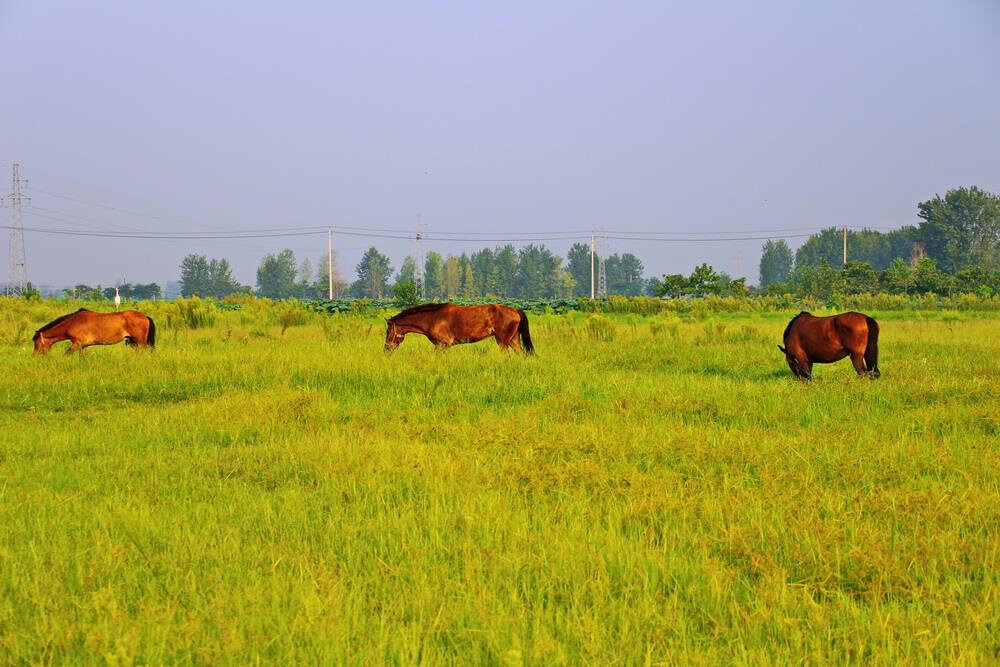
{"x": 42, "y": 344}
{"x": 393, "y": 335}
{"x": 793, "y": 363}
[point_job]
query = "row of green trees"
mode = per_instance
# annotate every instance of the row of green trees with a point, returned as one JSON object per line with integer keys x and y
{"x": 530, "y": 272}
{"x": 823, "y": 281}
{"x": 533, "y": 271}
{"x": 127, "y": 291}
{"x": 703, "y": 281}
{"x": 958, "y": 231}
{"x": 956, "y": 244}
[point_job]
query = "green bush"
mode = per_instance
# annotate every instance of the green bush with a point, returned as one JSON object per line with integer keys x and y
{"x": 196, "y": 313}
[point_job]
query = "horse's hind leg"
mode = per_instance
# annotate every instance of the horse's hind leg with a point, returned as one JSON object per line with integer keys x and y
{"x": 858, "y": 360}
{"x": 507, "y": 338}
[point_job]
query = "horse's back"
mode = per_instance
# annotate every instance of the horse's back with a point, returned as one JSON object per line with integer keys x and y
{"x": 829, "y": 338}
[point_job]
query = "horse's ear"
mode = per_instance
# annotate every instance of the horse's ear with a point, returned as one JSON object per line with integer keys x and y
{"x": 782, "y": 349}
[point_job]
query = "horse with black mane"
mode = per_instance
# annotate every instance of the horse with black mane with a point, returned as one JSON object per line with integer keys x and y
{"x": 85, "y": 328}
{"x": 809, "y": 339}
{"x": 447, "y": 324}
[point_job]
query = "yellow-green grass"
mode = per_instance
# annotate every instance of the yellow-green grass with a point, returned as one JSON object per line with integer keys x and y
{"x": 643, "y": 490}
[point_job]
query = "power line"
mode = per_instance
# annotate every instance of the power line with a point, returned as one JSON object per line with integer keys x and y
{"x": 309, "y": 231}
{"x": 549, "y": 235}
{"x": 151, "y": 216}
{"x": 170, "y": 236}
{"x": 381, "y": 232}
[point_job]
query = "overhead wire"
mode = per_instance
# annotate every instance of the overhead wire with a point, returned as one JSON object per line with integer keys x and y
{"x": 218, "y": 233}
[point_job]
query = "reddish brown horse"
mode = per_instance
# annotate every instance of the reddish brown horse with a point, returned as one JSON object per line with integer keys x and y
{"x": 446, "y": 324}
{"x": 810, "y": 339}
{"x": 85, "y": 328}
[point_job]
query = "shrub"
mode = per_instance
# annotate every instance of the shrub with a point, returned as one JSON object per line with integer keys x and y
{"x": 196, "y": 313}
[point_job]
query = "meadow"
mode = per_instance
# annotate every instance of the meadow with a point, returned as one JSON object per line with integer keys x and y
{"x": 270, "y": 486}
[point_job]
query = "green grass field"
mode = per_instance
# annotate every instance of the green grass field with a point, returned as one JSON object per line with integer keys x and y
{"x": 645, "y": 489}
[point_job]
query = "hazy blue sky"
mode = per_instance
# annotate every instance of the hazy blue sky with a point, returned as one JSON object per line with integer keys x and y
{"x": 486, "y": 117}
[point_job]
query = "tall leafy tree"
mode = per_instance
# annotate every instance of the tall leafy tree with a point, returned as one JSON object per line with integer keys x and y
{"x": 565, "y": 286}
{"x": 859, "y": 278}
{"x": 276, "y": 275}
{"x": 407, "y": 271}
{"x": 826, "y": 246}
{"x": 673, "y": 285}
{"x": 536, "y": 272}
{"x": 483, "y": 266}
{"x": 469, "y": 290}
{"x": 898, "y": 277}
{"x": 962, "y": 229}
{"x": 703, "y": 281}
{"x": 452, "y": 277}
{"x": 624, "y": 274}
{"x": 775, "y": 263}
{"x": 928, "y": 278}
{"x": 373, "y": 272}
{"x": 578, "y": 264}
{"x": 220, "y": 279}
{"x": 818, "y": 281}
{"x": 433, "y": 276}
{"x": 506, "y": 271}
{"x": 195, "y": 277}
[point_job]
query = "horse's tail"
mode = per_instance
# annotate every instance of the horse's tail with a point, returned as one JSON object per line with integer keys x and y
{"x": 871, "y": 350}
{"x": 522, "y": 329}
{"x": 151, "y": 334}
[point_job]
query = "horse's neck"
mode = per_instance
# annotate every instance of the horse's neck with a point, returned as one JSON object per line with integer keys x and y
{"x": 56, "y": 333}
{"x": 59, "y": 330}
{"x": 414, "y": 325}
{"x": 408, "y": 326}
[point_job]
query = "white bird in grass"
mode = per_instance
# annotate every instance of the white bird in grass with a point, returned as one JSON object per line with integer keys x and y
{"x": 118, "y": 299}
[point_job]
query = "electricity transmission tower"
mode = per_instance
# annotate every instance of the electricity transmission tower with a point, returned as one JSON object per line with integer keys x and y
{"x": 17, "y": 271}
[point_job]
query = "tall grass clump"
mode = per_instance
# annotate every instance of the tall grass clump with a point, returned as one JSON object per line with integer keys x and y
{"x": 196, "y": 313}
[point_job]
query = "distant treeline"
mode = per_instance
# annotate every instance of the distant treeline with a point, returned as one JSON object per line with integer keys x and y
{"x": 530, "y": 272}
{"x": 129, "y": 291}
{"x": 955, "y": 248}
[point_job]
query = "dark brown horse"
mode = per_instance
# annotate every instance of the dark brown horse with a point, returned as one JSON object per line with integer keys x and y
{"x": 85, "y": 328}
{"x": 810, "y": 339}
{"x": 446, "y": 324}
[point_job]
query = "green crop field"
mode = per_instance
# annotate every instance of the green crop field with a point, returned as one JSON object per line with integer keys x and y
{"x": 269, "y": 486}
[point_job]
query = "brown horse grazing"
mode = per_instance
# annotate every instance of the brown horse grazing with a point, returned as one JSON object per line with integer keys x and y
{"x": 85, "y": 328}
{"x": 446, "y": 324}
{"x": 810, "y": 339}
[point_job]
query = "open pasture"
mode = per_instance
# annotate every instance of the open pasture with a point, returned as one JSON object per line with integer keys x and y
{"x": 645, "y": 489}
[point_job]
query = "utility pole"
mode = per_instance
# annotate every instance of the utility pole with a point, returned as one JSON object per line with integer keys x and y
{"x": 17, "y": 271}
{"x": 591, "y": 265}
{"x": 418, "y": 257}
{"x": 845, "y": 246}
{"x": 602, "y": 274}
{"x": 329, "y": 263}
